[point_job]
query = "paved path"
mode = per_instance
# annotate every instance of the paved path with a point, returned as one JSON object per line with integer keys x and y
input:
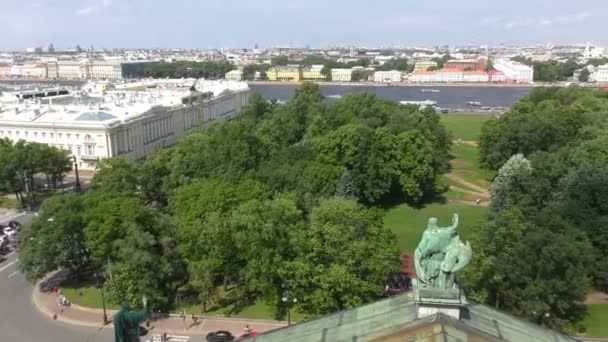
{"x": 472, "y": 186}
{"x": 19, "y": 319}
{"x": 86, "y": 317}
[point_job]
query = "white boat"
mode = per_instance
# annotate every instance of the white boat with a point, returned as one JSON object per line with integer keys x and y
{"x": 429, "y": 90}
{"x": 335, "y": 96}
{"x": 474, "y": 103}
{"x": 419, "y": 103}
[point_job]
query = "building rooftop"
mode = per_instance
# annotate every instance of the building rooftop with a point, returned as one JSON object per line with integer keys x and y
{"x": 395, "y": 319}
{"x": 93, "y": 106}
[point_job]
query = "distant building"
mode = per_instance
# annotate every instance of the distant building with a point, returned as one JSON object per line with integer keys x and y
{"x": 313, "y": 73}
{"x": 465, "y": 64}
{"x": 234, "y": 75}
{"x": 34, "y": 70}
{"x": 289, "y": 73}
{"x": 497, "y": 76}
{"x": 475, "y": 76}
{"x": 600, "y": 75}
{"x": 123, "y": 122}
{"x": 514, "y": 71}
{"x": 5, "y": 69}
{"x": 341, "y": 75}
{"x": 72, "y": 70}
{"x": 104, "y": 70}
{"x": 424, "y": 65}
{"x": 450, "y": 75}
{"x": 390, "y": 76}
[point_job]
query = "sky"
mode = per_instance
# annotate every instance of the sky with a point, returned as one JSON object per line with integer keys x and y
{"x": 317, "y": 23}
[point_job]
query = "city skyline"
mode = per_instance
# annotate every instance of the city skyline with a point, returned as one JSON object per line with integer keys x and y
{"x": 217, "y": 24}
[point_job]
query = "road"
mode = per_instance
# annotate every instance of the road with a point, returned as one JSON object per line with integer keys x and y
{"x": 21, "y": 321}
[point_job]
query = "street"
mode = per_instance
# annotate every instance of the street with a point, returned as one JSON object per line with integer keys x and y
{"x": 21, "y": 321}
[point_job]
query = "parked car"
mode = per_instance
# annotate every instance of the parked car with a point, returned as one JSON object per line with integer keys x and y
{"x": 3, "y": 241}
{"x": 15, "y": 225}
{"x": 9, "y": 231}
{"x": 220, "y": 336}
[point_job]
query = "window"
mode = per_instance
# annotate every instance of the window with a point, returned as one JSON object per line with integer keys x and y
{"x": 77, "y": 136}
{"x": 52, "y": 134}
{"x": 35, "y": 134}
{"x": 44, "y": 134}
{"x": 89, "y": 150}
{"x": 78, "y": 150}
{"x": 59, "y": 135}
{"x": 68, "y": 135}
{"x": 26, "y": 133}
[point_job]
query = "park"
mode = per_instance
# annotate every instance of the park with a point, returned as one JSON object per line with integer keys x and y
{"x": 227, "y": 222}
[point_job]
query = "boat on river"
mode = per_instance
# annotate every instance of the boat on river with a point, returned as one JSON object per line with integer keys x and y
{"x": 429, "y": 90}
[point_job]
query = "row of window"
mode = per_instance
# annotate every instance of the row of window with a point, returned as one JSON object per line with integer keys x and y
{"x": 36, "y": 134}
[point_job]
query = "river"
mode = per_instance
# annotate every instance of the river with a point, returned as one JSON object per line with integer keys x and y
{"x": 447, "y": 97}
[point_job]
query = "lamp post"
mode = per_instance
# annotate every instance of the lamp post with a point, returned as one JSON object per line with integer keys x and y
{"x": 103, "y": 300}
{"x": 289, "y": 302}
{"x": 77, "y": 175}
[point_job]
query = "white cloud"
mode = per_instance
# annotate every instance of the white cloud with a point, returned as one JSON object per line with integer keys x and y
{"x": 86, "y": 10}
{"x": 94, "y": 8}
{"x": 36, "y": 5}
{"x": 546, "y": 22}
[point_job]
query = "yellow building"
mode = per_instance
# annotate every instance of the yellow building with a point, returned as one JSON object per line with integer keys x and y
{"x": 284, "y": 73}
{"x": 313, "y": 73}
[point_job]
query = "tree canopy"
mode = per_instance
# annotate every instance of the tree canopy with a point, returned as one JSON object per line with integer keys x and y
{"x": 544, "y": 243}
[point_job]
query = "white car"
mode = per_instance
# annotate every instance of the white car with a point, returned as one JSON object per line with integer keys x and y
{"x": 3, "y": 240}
{"x": 9, "y": 232}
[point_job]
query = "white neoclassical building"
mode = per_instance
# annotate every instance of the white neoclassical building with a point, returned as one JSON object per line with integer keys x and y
{"x": 515, "y": 71}
{"x": 130, "y": 122}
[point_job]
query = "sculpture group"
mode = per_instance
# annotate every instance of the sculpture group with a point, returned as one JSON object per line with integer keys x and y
{"x": 440, "y": 254}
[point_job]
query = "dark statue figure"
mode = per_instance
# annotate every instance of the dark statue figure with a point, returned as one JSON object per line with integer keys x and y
{"x": 126, "y": 322}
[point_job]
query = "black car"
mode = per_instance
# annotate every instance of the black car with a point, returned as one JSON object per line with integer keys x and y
{"x": 219, "y": 336}
{"x": 15, "y": 225}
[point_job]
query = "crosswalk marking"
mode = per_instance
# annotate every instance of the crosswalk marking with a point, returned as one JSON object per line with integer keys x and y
{"x": 12, "y": 274}
{"x": 172, "y": 338}
{"x": 6, "y": 266}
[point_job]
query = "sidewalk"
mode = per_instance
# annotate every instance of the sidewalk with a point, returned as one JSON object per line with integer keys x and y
{"x": 46, "y": 303}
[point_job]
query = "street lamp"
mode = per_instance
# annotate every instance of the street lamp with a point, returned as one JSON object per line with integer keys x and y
{"x": 286, "y": 300}
{"x": 77, "y": 175}
{"x": 103, "y": 300}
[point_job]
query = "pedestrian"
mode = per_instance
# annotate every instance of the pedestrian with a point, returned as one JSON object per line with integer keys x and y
{"x": 247, "y": 329}
{"x": 55, "y": 315}
{"x": 194, "y": 319}
{"x": 477, "y": 201}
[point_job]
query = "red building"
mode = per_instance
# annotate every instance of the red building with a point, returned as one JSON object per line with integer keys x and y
{"x": 466, "y": 64}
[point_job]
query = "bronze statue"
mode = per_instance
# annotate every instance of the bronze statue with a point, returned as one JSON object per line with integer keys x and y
{"x": 126, "y": 322}
{"x": 440, "y": 254}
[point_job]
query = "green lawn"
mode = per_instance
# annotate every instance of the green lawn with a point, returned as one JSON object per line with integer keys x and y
{"x": 86, "y": 295}
{"x": 9, "y": 203}
{"x": 464, "y": 127}
{"x": 596, "y": 321}
{"x": 408, "y": 223}
{"x": 465, "y": 164}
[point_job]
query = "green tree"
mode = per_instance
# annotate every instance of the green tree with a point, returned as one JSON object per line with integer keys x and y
{"x": 584, "y": 75}
{"x": 327, "y": 279}
{"x": 55, "y": 239}
{"x": 509, "y": 181}
{"x": 279, "y": 60}
{"x": 535, "y": 270}
{"x": 346, "y": 188}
